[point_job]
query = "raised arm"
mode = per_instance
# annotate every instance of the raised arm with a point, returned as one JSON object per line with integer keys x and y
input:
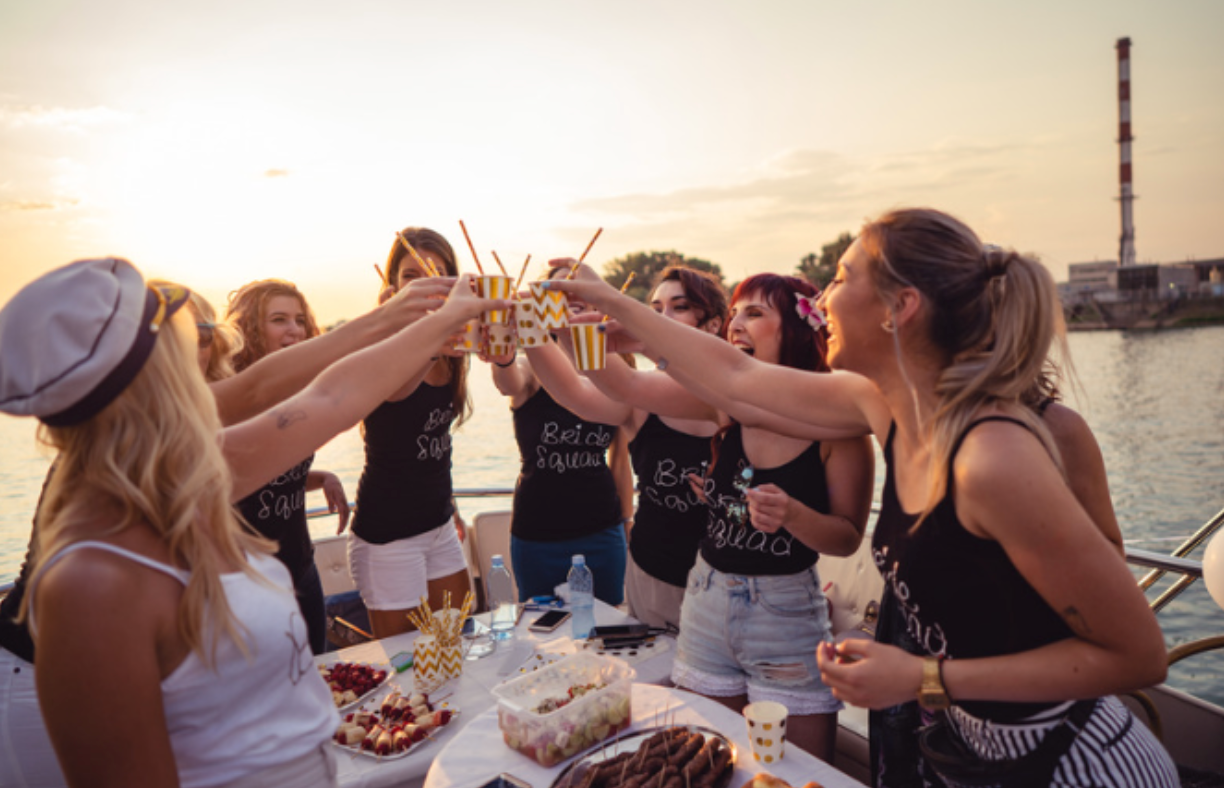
{"x": 838, "y": 403}
{"x": 279, "y": 375}
{"x": 343, "y": 394}
{"x": 650, "y": 390}
{"x": 575, "y": 393}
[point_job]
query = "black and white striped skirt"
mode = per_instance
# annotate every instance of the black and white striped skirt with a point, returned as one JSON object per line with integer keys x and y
{"x": 1114, "y": 749}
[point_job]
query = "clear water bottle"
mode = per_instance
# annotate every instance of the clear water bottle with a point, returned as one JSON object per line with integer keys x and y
{"x": 582, "y": 598}
{"x": 502, "y": 600}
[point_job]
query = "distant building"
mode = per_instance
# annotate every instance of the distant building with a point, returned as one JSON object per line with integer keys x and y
{"x": 1107, "y": 282}
{"x": 1086, "y": 281}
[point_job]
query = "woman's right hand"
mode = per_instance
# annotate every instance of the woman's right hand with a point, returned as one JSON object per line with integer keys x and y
{"x": 588, "y": 285}
{"x": 418, "y": 299}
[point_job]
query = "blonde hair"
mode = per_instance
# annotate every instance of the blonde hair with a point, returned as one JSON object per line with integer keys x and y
{"x": 993, "y": 314}
{"x": 226, "y": 341}
{"x": 153, "y": 456}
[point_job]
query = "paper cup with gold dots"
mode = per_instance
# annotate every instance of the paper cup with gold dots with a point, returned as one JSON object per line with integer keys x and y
{"x": 469, "y": 340}
{"x": 766, "y": 730}
{"x": 529, "y": 327}
{"x": 495, "y": 287}
{"x": 590, "y": 346}
{"x": 551, "y": 307}
{"x": 501, "y": 340}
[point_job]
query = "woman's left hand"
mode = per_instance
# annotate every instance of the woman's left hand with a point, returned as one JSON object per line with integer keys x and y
{"x": 869, "y": 674}
{"x": 337, "y": 501}
{"x": 768, "y": 506}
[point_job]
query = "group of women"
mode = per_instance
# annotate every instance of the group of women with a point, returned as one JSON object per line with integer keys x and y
{"x": 1010, "y": 615}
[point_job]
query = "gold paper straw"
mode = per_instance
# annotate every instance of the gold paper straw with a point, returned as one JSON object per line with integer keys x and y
{"x": 381, "y": 276}
{"x": 519, "y": 283}
{"x": 499, "y": 264}
{"x": 427, "y": 266}
{"x": 624, "y": 287}
{"x": 468, "y": 238}
{"x": 592, "y": 243}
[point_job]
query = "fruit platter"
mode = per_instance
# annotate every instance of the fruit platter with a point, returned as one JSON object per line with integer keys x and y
{"x": 352, "y": 682}
{"x": 559, "y": 711}
{"x": 396, "y": 728}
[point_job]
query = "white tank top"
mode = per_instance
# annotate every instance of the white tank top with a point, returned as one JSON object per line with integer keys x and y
{"x": 242, "y": 715}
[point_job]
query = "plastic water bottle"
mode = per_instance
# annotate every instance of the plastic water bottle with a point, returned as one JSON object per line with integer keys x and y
{"x": 502, "y": 600}
{"x": 582, "y": 598}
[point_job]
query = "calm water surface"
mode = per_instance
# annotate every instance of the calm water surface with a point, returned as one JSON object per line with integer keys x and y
{"x": 1154, "y": 399}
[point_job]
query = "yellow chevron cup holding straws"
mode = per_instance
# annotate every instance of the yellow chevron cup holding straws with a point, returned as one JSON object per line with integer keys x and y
{"x": 426, "y": 662}
{"x": 551, "y": 307}
{"x": 590, "y": 346}
{"x": 497, "y": 287}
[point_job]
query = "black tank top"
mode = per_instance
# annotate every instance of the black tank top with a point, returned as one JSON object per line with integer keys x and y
{"x": 670, "y": 518}
{"x": 278, "y": 511}
{"x": 565, "y": 489}
{"x": 405, "y": 488}
{"x": 731, "y": 544}
{"x": 959, "y": 595}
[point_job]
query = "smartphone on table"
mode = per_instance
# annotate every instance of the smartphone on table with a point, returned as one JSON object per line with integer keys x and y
{"x": 549, "y": 621}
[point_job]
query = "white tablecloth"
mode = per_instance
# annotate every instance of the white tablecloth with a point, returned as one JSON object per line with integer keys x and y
{"x": 477, "y": 753}
{"x": 470, "y": 692}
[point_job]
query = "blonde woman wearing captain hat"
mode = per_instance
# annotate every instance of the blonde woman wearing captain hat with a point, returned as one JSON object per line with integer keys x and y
{"x": 170, "y": 649}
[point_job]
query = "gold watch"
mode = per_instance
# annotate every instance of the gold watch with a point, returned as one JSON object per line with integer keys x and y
{"x": 931, "y": 693}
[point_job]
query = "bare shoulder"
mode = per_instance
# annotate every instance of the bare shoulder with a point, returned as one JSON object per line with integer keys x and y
{"x": 1070, "y": 431}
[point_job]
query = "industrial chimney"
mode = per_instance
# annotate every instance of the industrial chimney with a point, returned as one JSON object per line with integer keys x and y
{"x": 1126, "y": 247}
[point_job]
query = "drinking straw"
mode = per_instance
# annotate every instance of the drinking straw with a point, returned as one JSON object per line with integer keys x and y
{"x": 468, "y": 238}
{"x": 574, "y": 269}
{"x": 522, "y": 273}
{"x": 624, "y": 287}
{"x": 499, "y": 264}
{"x": 427, "y": 266}
{"x": 378, "y": 271}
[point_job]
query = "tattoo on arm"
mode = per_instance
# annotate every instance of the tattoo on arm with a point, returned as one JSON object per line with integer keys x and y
{"x": 1077, "y": 622}
{"x": 287, "y": 418}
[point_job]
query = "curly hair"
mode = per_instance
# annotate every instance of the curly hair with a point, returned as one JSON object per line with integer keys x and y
{"x": 247, "y": 310}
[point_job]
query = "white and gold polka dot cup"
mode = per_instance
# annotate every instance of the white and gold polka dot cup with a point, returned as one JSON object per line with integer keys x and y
{"x": 530, "y": 328}
{"x": 766, "y": 730}
{"x": 469, "y": 341}
{"x": 501, "y": 340}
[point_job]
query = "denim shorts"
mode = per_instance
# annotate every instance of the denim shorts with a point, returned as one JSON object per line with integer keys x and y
{"x": 754, "y": 635}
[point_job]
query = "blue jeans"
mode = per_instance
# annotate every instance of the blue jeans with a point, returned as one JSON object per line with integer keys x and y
{"x": 539, "y": 567}
{"x": 754, "y": 635}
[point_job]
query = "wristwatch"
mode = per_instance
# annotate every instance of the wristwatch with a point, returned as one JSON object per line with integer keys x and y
{"x": 931, "y": 693}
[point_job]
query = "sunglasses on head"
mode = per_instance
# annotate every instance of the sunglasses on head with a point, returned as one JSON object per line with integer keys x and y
{"x": 205, "y": 333}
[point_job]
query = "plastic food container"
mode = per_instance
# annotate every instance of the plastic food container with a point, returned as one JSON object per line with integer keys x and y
{"x": 561, "y": 710}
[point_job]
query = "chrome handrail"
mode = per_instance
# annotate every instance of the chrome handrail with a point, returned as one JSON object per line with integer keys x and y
{"x": 1189, "y": 570}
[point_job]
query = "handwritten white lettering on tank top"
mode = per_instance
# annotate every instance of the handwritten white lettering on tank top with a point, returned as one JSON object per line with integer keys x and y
{"x": 930, "y": 636}
{"x": 669, "y": 488}
{"x": 728, "y": 534}
{"x": 562, "y": 450}
{"x": 283, "y": 505}
{"x": 435, "y": 447}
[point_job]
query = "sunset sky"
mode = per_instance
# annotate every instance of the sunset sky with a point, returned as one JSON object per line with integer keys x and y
{"x": 220, "y": 142}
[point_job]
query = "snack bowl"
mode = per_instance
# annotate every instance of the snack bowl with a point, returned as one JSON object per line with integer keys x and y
{"x": 559, "y": 711}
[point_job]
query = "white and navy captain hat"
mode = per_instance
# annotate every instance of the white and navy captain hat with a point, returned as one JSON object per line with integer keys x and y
{"x": 73, "y": 339}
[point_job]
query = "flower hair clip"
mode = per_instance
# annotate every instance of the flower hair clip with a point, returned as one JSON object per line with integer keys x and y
{"x": 809, "y": 311}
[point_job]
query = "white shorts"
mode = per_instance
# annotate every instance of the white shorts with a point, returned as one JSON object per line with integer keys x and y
{"x": 26, "y": 755}
{"x": 395, "y": 576}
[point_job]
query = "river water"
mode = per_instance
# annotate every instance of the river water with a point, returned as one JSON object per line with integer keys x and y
{"x": 1154, "y": 399}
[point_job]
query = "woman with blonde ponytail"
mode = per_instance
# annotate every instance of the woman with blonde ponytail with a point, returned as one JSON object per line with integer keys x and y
{"x": 171, "y": 651}
{"x": 1024, "y": 617}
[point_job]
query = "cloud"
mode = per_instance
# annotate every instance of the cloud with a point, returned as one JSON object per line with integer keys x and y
{"x": 276, "y": 173}
{"x": 66, "y": 119}
{"x": 37, "y": 205}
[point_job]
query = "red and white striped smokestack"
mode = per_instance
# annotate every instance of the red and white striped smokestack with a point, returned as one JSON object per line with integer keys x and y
{"x": 1126, "y": 248}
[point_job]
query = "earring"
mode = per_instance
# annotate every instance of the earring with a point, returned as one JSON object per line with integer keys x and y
{"x": 887, "y": 325}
